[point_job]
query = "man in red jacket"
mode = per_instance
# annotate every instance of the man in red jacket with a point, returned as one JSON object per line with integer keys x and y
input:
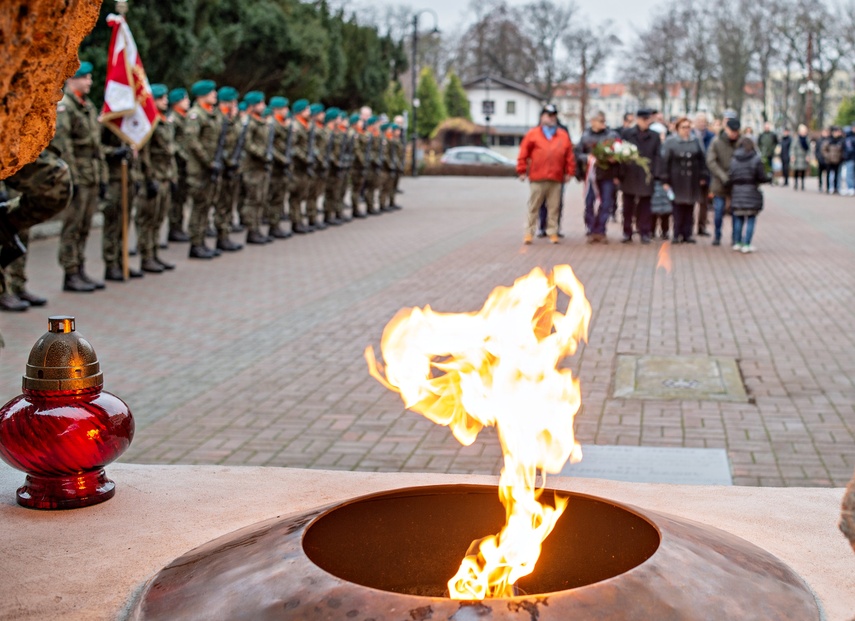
{"x": 546, "y": 159}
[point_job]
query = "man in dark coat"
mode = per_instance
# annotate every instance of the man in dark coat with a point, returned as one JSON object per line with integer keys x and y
{"x": 786, "y": 143}
{"x": 637, "y": 186}
{"x": 600, "y": 182}
{"x": 705, "y": 136}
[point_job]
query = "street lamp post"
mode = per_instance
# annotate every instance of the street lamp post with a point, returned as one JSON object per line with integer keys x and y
{"x": 415, "y": 73}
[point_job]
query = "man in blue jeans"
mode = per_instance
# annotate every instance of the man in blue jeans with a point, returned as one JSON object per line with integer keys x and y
{"x": 718, "y": 161}
{"x": 601, "y": 182}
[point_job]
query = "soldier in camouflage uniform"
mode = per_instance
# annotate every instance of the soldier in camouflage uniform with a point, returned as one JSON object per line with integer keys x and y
{"x": 161, "y": 173}
{"x": 348, "y": 139}
{"x": 254, "y": 167}
{"x": 179, "y": 103}
{"x": 319, "y": 180}
{"x": 373, "y": 165}
{"x": 335, "y": 167}
{"x": 402, "y": 146}
{"x": 43, "y": 189}
{"x": 115, "y": 152}
{"x": 78, "y": 139}
{"x": 204, "y": 133}
{"x": 280, "y": 171}
{"x": 393, "y": 164}
{"x": 359, "y": 163}
{"x": 384, "y": 169}
{"x": 226, "y": 203}
{"x": 303, "y": 164}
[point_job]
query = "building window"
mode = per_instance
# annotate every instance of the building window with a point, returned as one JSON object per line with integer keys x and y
{"x": 511, "y": 107}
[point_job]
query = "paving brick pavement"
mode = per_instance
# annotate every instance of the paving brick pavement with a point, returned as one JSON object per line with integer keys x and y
{"x": 256, "y": 358}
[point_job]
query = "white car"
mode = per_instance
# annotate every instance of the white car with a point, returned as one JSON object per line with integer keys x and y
{"x": 476, "y": 156}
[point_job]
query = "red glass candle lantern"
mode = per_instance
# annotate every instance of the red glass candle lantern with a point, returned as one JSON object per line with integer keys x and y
{"x": 64, "y": 428}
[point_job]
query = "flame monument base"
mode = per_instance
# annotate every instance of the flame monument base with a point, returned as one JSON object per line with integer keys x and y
{"x": 388, "y": 555}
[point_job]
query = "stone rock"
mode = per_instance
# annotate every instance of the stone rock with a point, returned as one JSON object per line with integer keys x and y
{"x": 38, "y": 51}
{"x": 847, "y": 520}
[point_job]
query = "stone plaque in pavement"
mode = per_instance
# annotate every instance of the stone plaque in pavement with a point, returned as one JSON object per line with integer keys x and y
{"x": 652, "y": 464}
{"x": 689, "y": 378}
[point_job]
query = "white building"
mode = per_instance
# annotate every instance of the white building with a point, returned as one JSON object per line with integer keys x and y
{"x": 507, "y": 108}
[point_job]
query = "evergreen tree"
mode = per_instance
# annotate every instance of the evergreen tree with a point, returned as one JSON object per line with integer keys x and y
{"x": 431, "y": 109}
{"x": 456, "y": 101}
{"x": 846, "y": 112}
{"x": 394, "y": 100}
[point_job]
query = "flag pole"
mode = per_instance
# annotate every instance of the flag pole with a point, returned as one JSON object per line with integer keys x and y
{"x": 122, "y": 9}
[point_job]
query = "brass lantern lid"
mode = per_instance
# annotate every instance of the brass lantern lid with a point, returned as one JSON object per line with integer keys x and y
{"x": 62, "y": 360}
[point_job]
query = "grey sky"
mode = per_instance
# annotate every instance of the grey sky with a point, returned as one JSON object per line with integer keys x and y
{"x": 454, "y": 15}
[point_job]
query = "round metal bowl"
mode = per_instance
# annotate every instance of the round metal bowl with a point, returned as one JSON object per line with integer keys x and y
{"x": 388, "y": 557}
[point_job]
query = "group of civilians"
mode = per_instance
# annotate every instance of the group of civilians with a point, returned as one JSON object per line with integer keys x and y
{"x": 686, "y": 165}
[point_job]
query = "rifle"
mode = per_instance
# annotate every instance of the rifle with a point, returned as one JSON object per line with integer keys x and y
{"x": 368, "y": 155}
{"x": 217, "y": 168}
{"x": 311, "y": 156}
{"x": 330, "y": 145}
{"x": 268, "y": 158}
{"x": 234, "y": 161}
{"x": 289, "y": 149}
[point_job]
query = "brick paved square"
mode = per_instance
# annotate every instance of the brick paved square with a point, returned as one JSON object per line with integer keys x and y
{"x": 256, "y": 357}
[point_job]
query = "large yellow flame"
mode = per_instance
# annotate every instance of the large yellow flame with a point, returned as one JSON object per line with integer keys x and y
{"x": 498, "y": 367}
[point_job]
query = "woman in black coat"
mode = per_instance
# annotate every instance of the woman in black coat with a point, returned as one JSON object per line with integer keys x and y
{"x": 684, "y": 172}
{"x": 746, "y": 200}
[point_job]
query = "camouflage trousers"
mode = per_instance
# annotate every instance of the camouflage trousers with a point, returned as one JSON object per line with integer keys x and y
{"x": 180, "y": 193}
{"x": 387, "y": 188}
{"x": 151, "y": 212}
{"x": 372, "y": 184}
{"x": 203, "y": 192}
{"x": 15, "y": 278}
{"x": 111, "y": 239}
{"x": 255, "y": 198}
{"x": 357, "y": 184}
{"x": 226, "y": 203}
{"x": 299, "y": 190}
{"x": 75, "y": 228}
{"x": 333, "y": 194}
{"x": 276, "y": 197}
{"x": 315, "y": 192}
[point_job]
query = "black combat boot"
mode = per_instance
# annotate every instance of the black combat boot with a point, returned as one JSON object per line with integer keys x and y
{"x": 165, "y": 264}
{"x": 12, "y": 303}
{"x": 277, "y": 232}
{"x": 256, "y": 237}
{"x": 95, "y": 283}
{"x": 73, "y": 282}
{"x": 177, "y": 235}
{"x": 201, "y": 252}
{"x": 227, "y": 245}
{"x": 114, "y": 273}
{"x": 31, "y": 298}
{"x": 151, "y": 266}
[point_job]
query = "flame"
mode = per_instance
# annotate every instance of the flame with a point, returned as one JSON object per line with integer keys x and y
{"x": 498, "y": 367}
{"x": 665, "y": 257}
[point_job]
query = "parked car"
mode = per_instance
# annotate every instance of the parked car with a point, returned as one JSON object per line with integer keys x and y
{"x": 476, "y": 156}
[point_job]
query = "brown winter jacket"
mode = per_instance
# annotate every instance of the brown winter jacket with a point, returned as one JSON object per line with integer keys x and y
{"x": 719, "y": 156}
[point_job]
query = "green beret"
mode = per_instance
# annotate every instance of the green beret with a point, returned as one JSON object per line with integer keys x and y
{"x": 159, "y": 90}
{"x": 371, "y": 120}
{"x": 385, "y": 126}
{"x": 278, "y": 102}
{"x": 267, "y": 111}
{"x": 354, "y": 118}
{"x": 242, "y": 106}
{"x": 176, "y": 95}
{"x": 331, "y": 115}
{"x": 316, "y": 108}
{"x": 395, "y": 127}
{"x": 202, "y": 88}
{"x": 227, "y": 94}
{"x": 299, "y": 106}
{"x": 85, "y": 69}
{"x": 253, "y": 97}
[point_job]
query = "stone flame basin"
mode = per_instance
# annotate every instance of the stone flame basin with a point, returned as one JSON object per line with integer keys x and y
{"x": 388, "y": 556}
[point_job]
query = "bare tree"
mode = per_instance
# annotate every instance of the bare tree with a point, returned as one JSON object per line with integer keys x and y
{"x": 545, "y": 22}
{"x": 734, "y": 44}
{"x": 588, "y": 49}
{"x": 697, "y": 52}
{"x": 653, "y": 63}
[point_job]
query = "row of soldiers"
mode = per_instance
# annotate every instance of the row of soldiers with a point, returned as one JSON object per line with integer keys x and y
{"x": 217, "y": 156}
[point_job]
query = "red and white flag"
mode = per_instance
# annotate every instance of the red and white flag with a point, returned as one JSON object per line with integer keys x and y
{"x": 129, "y": 108}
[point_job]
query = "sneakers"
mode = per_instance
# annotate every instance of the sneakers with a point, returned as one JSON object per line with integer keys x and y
{"x": 737, "y": 247}
{"x": 747, "y": 249}
{"x": 527, "y": 238}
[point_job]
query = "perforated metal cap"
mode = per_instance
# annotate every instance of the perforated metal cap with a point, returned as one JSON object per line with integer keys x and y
{"x": 62, "y": 359}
